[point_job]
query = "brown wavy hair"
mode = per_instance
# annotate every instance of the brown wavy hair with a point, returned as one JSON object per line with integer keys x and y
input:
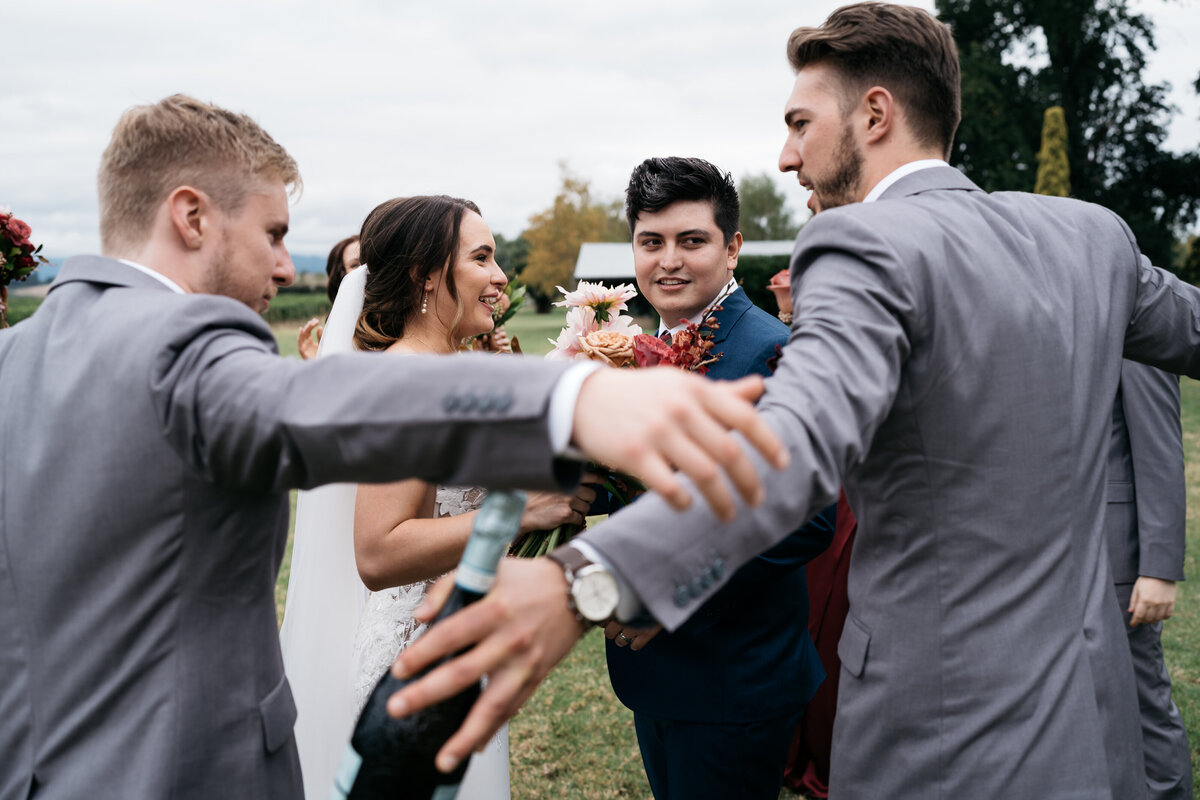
{"x": 404, "y": 241}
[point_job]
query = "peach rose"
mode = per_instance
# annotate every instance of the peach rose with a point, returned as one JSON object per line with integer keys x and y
{"x": 611, "y": 347}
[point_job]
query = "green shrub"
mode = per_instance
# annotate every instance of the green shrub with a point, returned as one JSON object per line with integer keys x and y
{"x": 754, "y": 273}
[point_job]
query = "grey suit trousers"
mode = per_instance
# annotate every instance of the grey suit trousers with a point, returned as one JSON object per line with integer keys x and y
{"x": 1164, "y": 737}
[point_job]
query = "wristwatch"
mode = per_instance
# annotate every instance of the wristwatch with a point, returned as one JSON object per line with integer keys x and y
{"x": 592, "y": 591}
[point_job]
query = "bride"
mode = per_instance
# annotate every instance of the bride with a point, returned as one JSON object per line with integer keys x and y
{"x": 430, "y": 281}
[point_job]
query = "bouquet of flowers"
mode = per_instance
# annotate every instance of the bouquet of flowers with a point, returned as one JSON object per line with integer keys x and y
{"x": 781, "y": 286}
{"x": 596, "y": 330}
{"x": 18, "y": 257}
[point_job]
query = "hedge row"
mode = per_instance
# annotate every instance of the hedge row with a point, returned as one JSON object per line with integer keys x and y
{"x": 301, "y": 303}
{"x": 288, "y": 306}
{"x": 291, "y": 305}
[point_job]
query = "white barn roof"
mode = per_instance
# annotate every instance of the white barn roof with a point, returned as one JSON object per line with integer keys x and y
{"x": 614, "y": 260}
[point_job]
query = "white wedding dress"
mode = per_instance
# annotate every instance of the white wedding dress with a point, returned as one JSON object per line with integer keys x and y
{"x": 387, "y": 627}
{"x": 337, "y": 638}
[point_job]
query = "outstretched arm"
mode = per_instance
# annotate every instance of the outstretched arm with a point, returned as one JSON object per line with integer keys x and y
{"x": 834, "y": 387}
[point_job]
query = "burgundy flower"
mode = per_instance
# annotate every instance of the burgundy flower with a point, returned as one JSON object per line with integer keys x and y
{"x": 18, "y": 230}
{"x": 25, "y": 262}
{"x": 650, "y": 351}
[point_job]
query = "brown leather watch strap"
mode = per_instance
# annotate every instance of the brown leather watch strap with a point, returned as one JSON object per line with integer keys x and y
{"x": 570, "y": 559}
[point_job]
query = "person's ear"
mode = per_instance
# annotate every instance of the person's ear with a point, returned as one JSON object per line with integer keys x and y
{"x": 880, "y": 109}
{"x": 732, "y": 249}
{"x": 189, "y": 211}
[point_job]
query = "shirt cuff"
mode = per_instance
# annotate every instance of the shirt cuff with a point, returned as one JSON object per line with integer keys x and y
{"x": 629, "y": 605}
{"x": 562, "y": 408}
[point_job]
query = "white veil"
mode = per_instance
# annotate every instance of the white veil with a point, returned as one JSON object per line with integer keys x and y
{"x": 325, "y": 595}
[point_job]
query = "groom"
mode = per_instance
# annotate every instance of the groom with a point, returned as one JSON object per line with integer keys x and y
{"x": 953, "y": 362}
{"x": 150, "y": 434}
{"x": 716, "y": 701}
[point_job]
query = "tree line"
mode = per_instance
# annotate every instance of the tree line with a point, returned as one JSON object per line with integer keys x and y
{"x": 1086, "y": 58}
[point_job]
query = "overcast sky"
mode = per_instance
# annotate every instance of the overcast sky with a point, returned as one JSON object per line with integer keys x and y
{"x": 378, "y": 98}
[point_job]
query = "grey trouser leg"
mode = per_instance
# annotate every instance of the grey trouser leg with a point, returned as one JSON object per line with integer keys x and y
{"x": 1164, "y": 738}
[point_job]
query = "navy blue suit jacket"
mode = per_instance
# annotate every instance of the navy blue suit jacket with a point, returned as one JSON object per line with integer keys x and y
{"x": 746, "y": 654}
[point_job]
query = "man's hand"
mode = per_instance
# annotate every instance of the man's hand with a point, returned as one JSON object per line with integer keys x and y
{"x": 1152, "y": 600}
{"x": 635, "y": 638}
{"x": 649, "y": 422}
{"x": 516, "y": 634}
{"x": 305, "y": 342}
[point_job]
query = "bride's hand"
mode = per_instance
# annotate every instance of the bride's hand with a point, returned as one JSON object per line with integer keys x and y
{"x": 547, "y": 510}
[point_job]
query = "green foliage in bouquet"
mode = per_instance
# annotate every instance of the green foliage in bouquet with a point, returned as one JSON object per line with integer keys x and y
{"x": 503, "y": 312}
{"x": 622, "y": 490}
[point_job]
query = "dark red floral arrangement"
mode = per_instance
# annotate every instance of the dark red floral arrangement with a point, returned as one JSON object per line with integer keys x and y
{"x": 18, "y": 256}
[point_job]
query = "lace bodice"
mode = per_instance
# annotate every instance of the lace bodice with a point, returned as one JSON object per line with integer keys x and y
{"x": 387, "y": 625}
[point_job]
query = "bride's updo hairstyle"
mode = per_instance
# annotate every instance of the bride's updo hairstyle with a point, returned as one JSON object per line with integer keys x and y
{"x": 403, "y": 242}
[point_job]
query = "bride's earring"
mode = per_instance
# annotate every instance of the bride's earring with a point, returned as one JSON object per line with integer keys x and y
{"x": 424, "y": 302}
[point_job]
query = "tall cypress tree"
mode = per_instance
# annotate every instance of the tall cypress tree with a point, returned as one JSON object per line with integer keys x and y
{"x": 1054, "y": 170}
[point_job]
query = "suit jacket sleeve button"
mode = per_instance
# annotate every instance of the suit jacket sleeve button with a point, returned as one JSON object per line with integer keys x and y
{"x": 697, "y": 587}
{"x": 504, "y": 402}
{"x": 450, "y": 402}
{"x": 682, "y": 596}
{"x": 468, "y": 402}
{"x": 718, "y": 568}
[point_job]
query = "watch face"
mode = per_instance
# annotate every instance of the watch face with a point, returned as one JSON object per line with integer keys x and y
{"x": 595, "y": 593}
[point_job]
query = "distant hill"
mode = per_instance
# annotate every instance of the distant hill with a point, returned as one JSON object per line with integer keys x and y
{"x": 305, "y": 263}
{"x": 47, "y": 272}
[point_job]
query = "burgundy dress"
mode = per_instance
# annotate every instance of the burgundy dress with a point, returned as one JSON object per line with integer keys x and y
{"x": 808, "y": 761}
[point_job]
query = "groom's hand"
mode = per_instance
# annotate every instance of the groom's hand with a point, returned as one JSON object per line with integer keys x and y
{"x": 516, "y": 634}
{"x": 650, "y": 422}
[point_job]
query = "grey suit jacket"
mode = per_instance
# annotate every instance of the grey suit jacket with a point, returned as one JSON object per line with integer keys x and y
{"x": 147, "y": 441}
{"x": 952, "y": 361}
{"x": 1147, "y": 495}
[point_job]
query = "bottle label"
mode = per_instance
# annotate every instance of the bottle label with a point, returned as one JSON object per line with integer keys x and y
{"x": 496, "y": 525}
{"x": 473, "y": 579}
{"x": 343, "y": 782}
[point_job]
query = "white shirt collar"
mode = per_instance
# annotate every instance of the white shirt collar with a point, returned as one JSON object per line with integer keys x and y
{"x": 726, "y": 290}
{"x": 158, "y": 276}
{"x": 900, "y": 172}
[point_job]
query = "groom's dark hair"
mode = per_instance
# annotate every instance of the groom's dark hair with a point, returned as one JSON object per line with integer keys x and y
{"x": 658, "y": 182}
{"x": 905, "y": 50}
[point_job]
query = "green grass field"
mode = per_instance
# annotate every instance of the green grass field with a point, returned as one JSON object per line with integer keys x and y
{"x": 573, "y": 739}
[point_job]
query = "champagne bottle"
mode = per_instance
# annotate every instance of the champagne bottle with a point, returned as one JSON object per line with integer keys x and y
{"x": 394, "y": 758}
